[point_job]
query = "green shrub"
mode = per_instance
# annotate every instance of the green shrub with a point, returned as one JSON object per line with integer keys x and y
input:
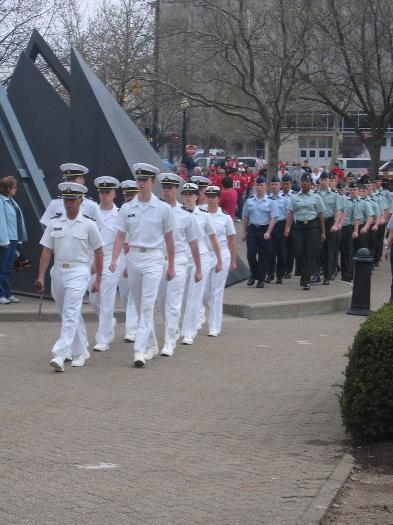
{"x": 367, "y": 396}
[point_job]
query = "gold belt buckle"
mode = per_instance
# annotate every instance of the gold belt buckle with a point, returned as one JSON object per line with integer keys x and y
{"x": 143, "y": 250}
{"x": 305, "y": 222}
{"x": 66, "y": 265}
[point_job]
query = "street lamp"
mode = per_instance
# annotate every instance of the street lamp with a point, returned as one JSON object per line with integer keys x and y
{"x": 184, "y": 105}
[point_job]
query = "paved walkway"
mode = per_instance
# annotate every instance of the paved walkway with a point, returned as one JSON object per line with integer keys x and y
{"x": 240, "y": 429}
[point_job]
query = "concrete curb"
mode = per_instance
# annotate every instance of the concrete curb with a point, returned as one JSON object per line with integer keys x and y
{"x": 48, "y": 314}
{"x": 285, "y": 309}
{"x": 321, "y": 503}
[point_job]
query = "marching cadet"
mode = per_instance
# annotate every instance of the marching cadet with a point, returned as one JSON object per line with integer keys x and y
{"x": 70, "y": 238}
{"x": 333, "y": 210}
{"x": 377, "y": 214}
{"x": 306, "y": 209}
{"x": 195, "y": 290}
{"x": 103, "y": 301}
{"x": 286, "y": 185}
{"x": 149, "y": 224}
{"x": 278, "y": 262}
{"x": 366, "y": 221}
{"x": 186, "y": 234}
{"x": 259, "y": 218}
{"x": 349, "y": 223}
{"x": 226, "y": 237}
{"x": 71, "y": 173}
{"x": 202, "y": 183}
{"x": 379, "y": 196}
{"x": 129, "y": 191}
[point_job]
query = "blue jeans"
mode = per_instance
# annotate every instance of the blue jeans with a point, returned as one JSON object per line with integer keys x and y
{"x": 7, "y": 259}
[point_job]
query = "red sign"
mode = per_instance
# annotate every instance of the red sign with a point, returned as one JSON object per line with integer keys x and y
{"x": 190, "y": 149}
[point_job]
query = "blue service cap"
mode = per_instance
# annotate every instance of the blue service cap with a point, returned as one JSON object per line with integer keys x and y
{"x": 275, "y": 179}
{"x": 286, "y": 178}
{"x": 260, "y": 179}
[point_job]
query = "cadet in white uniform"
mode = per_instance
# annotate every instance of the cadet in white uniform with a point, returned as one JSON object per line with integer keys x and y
{"x": 202, "y": 183}
{"x": 215, "y": 283}
{"x": 71, "y": 173}
{"x": 149, "y": 223}
{"x": 186, "y": 234}
{"x": 195, "y": 290}
{"x": 129, "y": 192}
{"x": 71, "y": 239}
{"x": 103, "y": 301}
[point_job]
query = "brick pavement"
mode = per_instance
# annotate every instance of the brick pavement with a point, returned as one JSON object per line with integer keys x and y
{"x": 240, "y": 429}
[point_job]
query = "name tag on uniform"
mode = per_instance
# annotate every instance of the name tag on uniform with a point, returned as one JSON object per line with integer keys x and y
{"x": 57, "y": 229}
{"x": 131, "y": 215}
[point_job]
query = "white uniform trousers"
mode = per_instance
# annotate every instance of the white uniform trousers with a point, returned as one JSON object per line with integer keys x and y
{"x": 68, "y": 286}
{"x": 127, "y": 300}
{"x": 194, "y": 297}
{"x": 103, "y": 302}
{"x": 171, "y": 297}
{"x": 144, "y": 276}
{"x": 214, "y": 290}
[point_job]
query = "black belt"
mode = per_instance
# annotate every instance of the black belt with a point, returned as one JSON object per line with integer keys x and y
{"x": 258, "y": 226}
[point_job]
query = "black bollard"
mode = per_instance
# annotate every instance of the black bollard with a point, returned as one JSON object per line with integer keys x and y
{"x": 360, "y": 304}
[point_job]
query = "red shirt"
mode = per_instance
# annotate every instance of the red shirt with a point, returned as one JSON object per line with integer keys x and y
{"x": 251, "y": 178}
{"x": 339, "y": 173}
{"x": 216, "y": 180}
{"x": 239, "y": 183}
{"x": 228, "y": 201}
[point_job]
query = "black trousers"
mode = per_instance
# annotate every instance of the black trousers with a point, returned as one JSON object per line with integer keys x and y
{"x": 258, "y": 251}
{"x": 278, "y": 261}
{"x": 329, "y": 250}
{"x": 346, "y": 252}
{"x": 306, "y": 243}
{"x": 290, "y": 253}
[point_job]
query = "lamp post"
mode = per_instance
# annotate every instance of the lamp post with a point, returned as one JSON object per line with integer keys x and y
{"x": 184, "y": 105}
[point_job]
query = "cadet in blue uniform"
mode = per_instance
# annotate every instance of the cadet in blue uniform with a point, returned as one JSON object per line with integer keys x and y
{"x": 279, "y": 245}
{"x": 260, "y": 215}
{"x": 306, "y": 209}
{"x": 333, "y": 211}
{"x": 286, "y": 184}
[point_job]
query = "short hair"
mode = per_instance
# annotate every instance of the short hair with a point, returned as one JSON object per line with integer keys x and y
{"x": 6, "y": 183}
{"x": 227, "y": 182}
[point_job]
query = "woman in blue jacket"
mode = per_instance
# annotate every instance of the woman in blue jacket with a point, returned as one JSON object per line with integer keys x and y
{"x": 12, "y": 232}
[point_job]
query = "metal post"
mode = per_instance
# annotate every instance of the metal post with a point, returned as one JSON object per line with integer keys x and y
{"x": 360, "y": 303}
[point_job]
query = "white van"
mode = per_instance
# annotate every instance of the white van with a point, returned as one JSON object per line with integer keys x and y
{"x": 356, "y": 163}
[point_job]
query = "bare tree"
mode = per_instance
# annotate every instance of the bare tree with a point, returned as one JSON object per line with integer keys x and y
{"x": 17, "y": 20}
{"x": 350, "y": 65}
{"x": 241, "y": 57}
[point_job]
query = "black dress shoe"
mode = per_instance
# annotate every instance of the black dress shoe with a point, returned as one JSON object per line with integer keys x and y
{"x": 302, "y": 282}
{"x": 287, "y": 276}
{"x": 268, "y": 279}
{"x": 251, "y": 281}
{"x": 315, "y": 279}
{"x": 278, "y": 281}
{"x": 325, "y": 280}
{"x": 260, "y": 284}
{"x": 306, "y": 286}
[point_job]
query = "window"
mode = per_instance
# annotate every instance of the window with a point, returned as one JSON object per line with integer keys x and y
{"x": 303, "y": 153}
{"x": 329, "y": 153}
{"x": 312, "y": 153}
{"x": 322, "y": 153}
